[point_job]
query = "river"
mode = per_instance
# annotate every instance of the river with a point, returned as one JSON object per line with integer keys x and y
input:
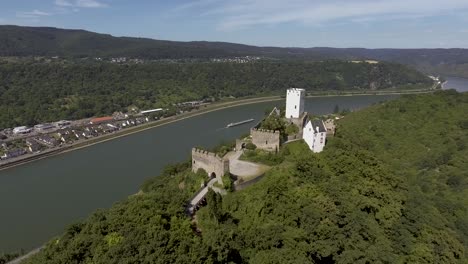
{"x": 39, "y": 199}
{"x": 459, "y": 84}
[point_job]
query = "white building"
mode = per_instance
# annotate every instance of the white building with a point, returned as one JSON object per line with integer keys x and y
{"x": 21, "y": 130}
{"x": 315, "y": 135}
{"x": 294, "y": 102}
{"x": 44, "y": 127}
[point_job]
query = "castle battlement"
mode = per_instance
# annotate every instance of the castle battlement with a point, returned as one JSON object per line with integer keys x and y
{"x": 202, "y": 152}
{"x": 265, "y": 130}
{"x": 266, "y": 139}
{"x": 214, "y": 165}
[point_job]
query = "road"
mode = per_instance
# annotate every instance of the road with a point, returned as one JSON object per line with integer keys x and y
{"x": 20, "y": 259}
{"x": 200, "y": 196}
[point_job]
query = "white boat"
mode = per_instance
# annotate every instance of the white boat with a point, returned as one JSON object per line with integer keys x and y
{"x": 240, "y": 123}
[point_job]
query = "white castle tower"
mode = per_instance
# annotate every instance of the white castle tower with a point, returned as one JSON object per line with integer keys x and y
{"x": 294, "y": 102}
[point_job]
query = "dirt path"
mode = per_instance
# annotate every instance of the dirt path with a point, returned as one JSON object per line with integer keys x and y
{"x": 244, "y": 169}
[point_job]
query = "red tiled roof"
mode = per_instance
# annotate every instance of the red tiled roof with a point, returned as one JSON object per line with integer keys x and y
{"x": 101, "y": 119}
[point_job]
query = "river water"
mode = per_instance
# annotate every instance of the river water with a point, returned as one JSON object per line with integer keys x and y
{"x": 39, "y": 199}
{"x": 459, "y": 84}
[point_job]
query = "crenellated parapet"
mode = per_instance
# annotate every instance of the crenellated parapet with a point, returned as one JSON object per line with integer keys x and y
{"x": 266, "y": 139}
{"x": 265, "y": 130}
{"x": 202, "y": 152}
{"x": 212, "y": 163}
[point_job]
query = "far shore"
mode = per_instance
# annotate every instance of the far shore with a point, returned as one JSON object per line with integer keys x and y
{"x": 209, "y": 108}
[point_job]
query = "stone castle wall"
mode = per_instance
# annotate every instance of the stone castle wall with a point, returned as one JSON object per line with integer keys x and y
{"x": 210, "y": 162}
{"x": 266, "y": 139}
{"x": 300, "y": 123}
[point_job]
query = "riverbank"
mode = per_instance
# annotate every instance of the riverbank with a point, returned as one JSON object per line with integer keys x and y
{"x": 133, "y": 130}
{"x": 207, "y": 109}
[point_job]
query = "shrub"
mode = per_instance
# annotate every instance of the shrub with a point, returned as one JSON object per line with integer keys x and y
{"x": 250, "y": 146}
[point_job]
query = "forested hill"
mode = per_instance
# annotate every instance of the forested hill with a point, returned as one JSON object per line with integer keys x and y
{"x": 37, "y": 92}
{"x": 42, "y": 41}
{"x": 391, "y": 187}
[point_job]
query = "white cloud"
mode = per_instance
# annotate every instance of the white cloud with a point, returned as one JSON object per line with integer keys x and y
{"x": 90, "y": 4}
{"x": 63, "y": 3}
{"x": 80, "y": 4}
{"x": 32, "y": 14}
{"x": 194, "y": 4}
{"x": 235, "y": 14}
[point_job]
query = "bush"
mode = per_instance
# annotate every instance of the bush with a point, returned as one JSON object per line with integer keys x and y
{"x": 292, "y": 129}
{"x": 228, "y": 184}
{"x": 250, "y": 146}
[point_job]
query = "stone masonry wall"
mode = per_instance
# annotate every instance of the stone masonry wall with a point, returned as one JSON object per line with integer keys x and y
{"x": 300, "y": 123}
{"x": 266, "y": 139}
{"x": 210, "y": 162}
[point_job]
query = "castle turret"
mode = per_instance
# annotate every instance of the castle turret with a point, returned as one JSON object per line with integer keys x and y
{"x": 294, "y": 102}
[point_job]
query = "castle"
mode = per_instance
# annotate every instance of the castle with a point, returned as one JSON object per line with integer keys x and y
{"x": 314, "y": 132}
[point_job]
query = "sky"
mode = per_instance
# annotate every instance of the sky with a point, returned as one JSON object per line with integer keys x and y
{"x": 283, "y": 23}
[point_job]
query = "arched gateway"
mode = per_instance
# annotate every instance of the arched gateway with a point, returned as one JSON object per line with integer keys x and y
{"x": 215, "y": 166}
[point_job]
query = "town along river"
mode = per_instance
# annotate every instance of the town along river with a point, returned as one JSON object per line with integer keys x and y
{"x": 39, "y": 199}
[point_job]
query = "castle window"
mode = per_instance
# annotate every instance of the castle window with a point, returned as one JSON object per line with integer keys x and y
{"x": 295, "y": 107}
{"x": 266, "y": 142}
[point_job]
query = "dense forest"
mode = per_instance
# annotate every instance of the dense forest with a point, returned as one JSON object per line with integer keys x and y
{"x": 390, "y": 187}
{"x": 31, "y": 93}
{"x": 46, "y": 41}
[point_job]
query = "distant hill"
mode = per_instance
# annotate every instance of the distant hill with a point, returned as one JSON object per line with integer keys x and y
{"x": 45, "y": 41}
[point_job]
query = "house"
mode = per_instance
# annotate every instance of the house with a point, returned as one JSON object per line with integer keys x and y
{"x": 48, "y": 140}
{"x": 87, "y": 134}
{"x": 119, "y": 116}
{"x": 315, "y": 135}
{"x": 33, "y": 146}
{"x": 13, "y": 153}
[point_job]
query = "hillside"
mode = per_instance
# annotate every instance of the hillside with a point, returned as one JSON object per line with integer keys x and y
{"x": 31, "y": 93}
{"x": 391, "y": 187}
{"x": 41, "y": 41}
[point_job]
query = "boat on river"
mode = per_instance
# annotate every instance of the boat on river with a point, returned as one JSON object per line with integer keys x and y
{"x": 240, "y": 123}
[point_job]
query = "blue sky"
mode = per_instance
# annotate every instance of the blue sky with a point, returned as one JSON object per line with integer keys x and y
{"x": 286, "y": 23}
